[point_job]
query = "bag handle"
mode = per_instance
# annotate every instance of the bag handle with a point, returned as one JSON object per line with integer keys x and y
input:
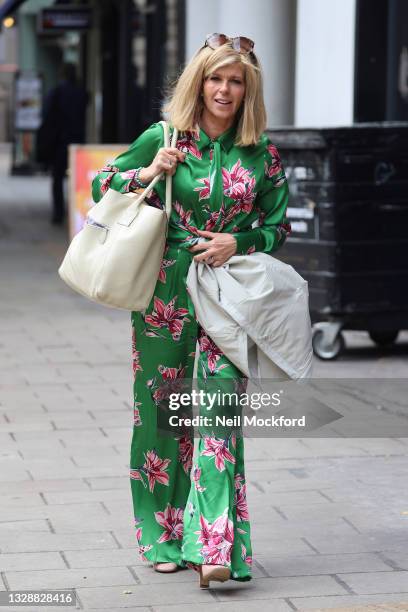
{"x": 153, "y": 182}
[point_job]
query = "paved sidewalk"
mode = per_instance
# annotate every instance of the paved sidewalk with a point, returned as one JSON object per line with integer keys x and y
{"x": 329, "y": 516}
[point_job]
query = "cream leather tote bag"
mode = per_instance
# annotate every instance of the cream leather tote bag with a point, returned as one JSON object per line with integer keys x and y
{"x": 115, "y": 259}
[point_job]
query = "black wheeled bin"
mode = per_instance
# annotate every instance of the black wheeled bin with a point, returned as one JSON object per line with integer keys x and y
{"x": 349, "y": 214}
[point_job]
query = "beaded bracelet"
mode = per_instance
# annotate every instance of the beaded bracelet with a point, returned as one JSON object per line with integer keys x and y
{"x": 137, "y": 179}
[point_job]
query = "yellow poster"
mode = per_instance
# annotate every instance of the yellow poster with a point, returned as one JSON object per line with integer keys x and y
{"x": 84, "y": 163}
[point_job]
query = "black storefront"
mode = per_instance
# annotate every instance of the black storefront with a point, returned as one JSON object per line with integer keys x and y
{"x": 130, "y": 57}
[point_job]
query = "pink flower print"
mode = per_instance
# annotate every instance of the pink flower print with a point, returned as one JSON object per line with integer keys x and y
{"x": 156, "y": 469}
{"x": 187, "y": 144}
{"x": 213, "y": 217}
{"x": 138, "y": 530}
{"x": 105, "y": 183}
{"x": 271, "y": 174}
{"x": 212, "y": 221}
{"x": 239, "y": 480}
{"x": 195, "y": 476}
{"x": 127, "y": 175}
{"x": 185, "y": 456}
{"x": 192, "y": 566}
{"x": 160, "y": 394}
{"x": 247, "y": 196}
{"x": 240, "y": 500}
{"x": 251, "y": 250}
{"x": 234, "y": 182}
{"x": 276, "y": 165}
{"x": 217, "y": 539}
{"x": 204, "y": 192}
{"x": 154, "y": 200}
{"x": 165, "y": 263}
{"x": 108, "y": 168}
{"x": 135, "y": 354}
{"x": 151, "y": 334}
{"x": 174, "y": 376}
{"x": 241, "y": 504}
{"x": 143, "y": 550}
{"x": 274, "y": 170}
{"x": 172, "y": 521}
{"x": 236, "y": 209}
{"x": 212, "y": 351}
{"x": 283, "y": 229}
{"x": 131, "y": 184}
{"x": 191, "y": 509}
{"x": 136, "y": 475}
{"x": 165, "y": 315}
{"x": 172, "y": 373}
{"x": 137, "y": 421}
{"x": 217, "y": 448}
{"x": 153, "y": 470}
{"x": 184, "y": 218}
{"x": 244, "y": 557}
{"x": 245, "y": 204}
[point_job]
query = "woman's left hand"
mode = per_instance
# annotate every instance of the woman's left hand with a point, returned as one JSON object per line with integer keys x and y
{"x": 217, "y": 250}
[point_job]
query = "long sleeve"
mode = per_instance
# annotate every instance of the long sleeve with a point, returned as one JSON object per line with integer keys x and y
{"x": 271, "y": 202}
{"x": 120, "y": 174}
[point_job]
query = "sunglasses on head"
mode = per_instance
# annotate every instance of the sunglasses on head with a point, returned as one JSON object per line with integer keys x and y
{"x": 239, "y": 43}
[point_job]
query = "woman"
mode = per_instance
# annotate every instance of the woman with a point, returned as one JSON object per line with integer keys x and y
{"x": 226, "y": 176}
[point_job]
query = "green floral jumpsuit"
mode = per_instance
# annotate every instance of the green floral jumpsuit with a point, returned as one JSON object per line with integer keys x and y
{"x": 194, "y": 512}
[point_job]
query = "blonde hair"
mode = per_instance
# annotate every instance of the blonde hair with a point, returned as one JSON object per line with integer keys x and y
{"x": 184, "y": 106}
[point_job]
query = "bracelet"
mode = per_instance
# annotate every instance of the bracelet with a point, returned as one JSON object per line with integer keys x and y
{"x": 137, "y": 179}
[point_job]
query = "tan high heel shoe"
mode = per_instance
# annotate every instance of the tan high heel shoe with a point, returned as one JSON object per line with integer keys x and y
{"x": 219, "y": 573}
{"x": 165, "y": 568}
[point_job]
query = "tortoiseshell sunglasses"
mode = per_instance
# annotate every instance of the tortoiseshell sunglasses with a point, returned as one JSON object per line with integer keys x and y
{"x": 239, "y": 43}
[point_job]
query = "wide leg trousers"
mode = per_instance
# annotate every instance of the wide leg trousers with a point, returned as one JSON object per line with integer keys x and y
{"x": 186, "y": 511}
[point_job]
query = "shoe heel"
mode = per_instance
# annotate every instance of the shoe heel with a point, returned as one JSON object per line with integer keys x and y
{"x": 217, "y": 573}
{"x": 203, "y": 582}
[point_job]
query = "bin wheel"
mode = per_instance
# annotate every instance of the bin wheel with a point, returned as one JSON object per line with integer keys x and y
{"x": 327, "y": 351}
{"x": 382, "y": 338}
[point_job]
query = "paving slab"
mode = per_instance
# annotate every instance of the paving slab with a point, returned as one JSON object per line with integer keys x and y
{"x": 328, "y": 516}
{"x": 351, "y": 603}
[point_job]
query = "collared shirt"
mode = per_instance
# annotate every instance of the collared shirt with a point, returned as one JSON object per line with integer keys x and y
{"x": 220, "y": 187}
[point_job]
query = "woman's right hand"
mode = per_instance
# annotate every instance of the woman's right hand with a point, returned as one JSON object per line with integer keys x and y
{"x": 166, "y": 160}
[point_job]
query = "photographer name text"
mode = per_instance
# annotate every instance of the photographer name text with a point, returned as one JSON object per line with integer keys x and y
{"x": 236, "y": 421}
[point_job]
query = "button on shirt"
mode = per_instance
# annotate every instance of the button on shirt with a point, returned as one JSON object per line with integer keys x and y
{"x": 220, "y": 187}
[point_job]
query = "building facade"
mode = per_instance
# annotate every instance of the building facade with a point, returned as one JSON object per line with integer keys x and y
{"x": 325, "y": 63}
